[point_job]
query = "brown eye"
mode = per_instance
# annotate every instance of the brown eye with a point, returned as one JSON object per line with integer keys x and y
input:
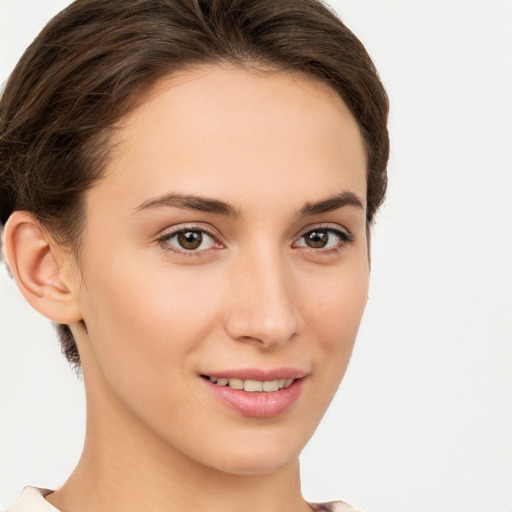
{"x": 317, "y": 239}
{"x": 190, "y": 240}
{"x": 324, "y": 238}
{"x": 193, "y": 241}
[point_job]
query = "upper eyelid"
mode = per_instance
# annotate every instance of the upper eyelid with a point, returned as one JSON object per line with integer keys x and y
{"x": 326, "y": 226}
{"x": 174, "y": 230}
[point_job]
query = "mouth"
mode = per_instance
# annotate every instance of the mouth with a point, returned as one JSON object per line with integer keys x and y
{"x": 255, "y": 393}
{"x": 250, "y": 385}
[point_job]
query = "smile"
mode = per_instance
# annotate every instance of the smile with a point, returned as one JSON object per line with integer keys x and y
{"x": 252, "y": 386}
{"x": 257, "y": 393}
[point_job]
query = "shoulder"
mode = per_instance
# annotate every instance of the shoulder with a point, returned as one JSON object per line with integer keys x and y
{"x": 32, "y": 500}
{"x": 333, "y": 506}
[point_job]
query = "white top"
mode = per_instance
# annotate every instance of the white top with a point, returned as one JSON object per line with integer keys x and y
{"x": 32, "y": 500}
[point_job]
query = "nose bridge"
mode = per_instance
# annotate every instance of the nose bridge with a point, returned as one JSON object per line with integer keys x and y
{"x": 263, "y": 306}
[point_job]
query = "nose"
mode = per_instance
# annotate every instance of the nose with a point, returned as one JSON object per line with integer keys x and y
{"x": 263, "y": 303}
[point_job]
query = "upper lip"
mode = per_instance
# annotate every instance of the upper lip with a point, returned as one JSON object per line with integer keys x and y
{"x": 259, "y": 374}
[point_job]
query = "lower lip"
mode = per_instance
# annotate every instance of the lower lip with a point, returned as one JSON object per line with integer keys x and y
{"x": 257, "y": 404}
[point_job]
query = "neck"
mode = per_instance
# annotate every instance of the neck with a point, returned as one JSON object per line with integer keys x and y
{"x": 125, "y": 466}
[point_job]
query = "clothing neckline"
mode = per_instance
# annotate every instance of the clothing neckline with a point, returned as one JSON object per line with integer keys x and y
{"x": 32, "y": 499}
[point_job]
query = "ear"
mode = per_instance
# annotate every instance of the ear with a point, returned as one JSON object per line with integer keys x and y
{"x": 43, "y": 271}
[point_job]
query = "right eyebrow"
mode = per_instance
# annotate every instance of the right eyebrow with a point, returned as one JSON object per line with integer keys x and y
{"x": 190, "y": 202}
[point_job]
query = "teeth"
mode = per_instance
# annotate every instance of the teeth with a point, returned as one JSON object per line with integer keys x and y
{"x": 270, "y": 385}
{"x": 253, "y": 386}
{"x": 236, "y": 383}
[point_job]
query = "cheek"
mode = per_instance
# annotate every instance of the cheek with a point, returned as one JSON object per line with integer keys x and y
{"x": 336, "y": 309}
{"x": 144, "y": 324}
{"x": 336, "y": 306}
{"x": 147, "y": 304}
{"x": 144, "y": 333}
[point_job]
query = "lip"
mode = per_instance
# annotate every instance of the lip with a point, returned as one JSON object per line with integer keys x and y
{"x": 258, "y": 404}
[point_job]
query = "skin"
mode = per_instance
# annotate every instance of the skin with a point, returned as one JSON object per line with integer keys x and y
{"x": 150, "y": 317}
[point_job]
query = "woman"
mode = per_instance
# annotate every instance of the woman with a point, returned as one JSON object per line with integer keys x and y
{"x": 187, "y": 189}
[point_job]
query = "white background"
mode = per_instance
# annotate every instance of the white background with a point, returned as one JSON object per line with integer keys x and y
{"x": 423, "y": 421}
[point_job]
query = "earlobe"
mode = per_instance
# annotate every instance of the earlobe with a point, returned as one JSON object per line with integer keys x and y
{"x": 37, "y": 266}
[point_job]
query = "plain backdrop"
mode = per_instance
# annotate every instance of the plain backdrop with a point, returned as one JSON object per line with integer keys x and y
{"x": 423, "y": 419}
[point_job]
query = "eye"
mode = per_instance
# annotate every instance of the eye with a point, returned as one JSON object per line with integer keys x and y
{"x": 191, "y": 240}
{"x": 324, "y": 238}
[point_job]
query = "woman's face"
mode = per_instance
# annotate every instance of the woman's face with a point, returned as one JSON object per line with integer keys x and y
{"x": 226, "y": 241}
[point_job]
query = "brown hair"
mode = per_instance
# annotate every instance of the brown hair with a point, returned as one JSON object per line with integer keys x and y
{"x": 88, "y": 66}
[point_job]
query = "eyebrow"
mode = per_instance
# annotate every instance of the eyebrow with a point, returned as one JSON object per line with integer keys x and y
{"x": 209, "y": 205}
{"x": 191, "y": 202}
{"x": 330, "y": 204}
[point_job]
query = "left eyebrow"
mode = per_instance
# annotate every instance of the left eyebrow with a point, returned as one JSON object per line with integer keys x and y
{"x": 330, "y": 204}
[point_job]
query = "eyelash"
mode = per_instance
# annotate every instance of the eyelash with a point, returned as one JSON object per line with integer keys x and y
{"x": 346, "y": 238}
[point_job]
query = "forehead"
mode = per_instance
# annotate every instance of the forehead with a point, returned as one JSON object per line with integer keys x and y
{"x": 227, "y": 131}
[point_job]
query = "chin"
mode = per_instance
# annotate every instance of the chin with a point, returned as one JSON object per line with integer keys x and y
{"x": 258, "y": 457}
{"x": 258, "y": 465}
